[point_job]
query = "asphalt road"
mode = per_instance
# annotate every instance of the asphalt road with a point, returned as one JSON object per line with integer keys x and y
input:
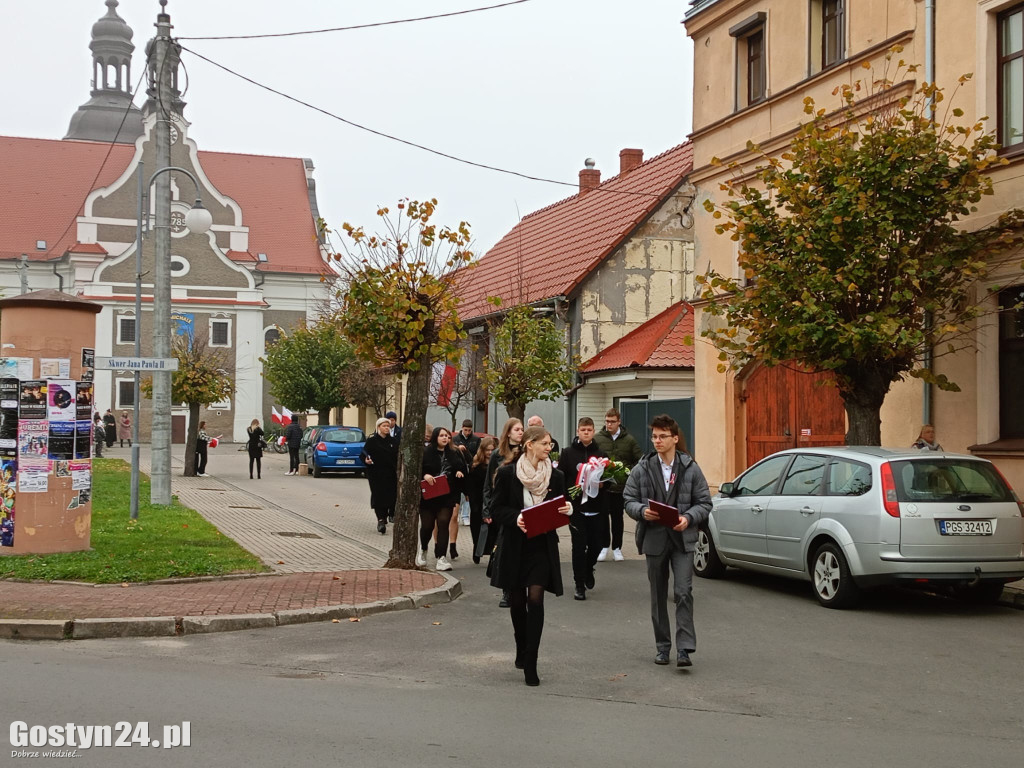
{"x": 908, "y": 680}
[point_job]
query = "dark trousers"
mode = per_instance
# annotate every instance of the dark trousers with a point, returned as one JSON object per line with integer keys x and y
{"x": 383, "y": 513}
{"x": 201, "y": 460}
{"x": 613, "y": 530}
{"x": 658, "y": 567}
{"x": 293, "y": 458}
{"x": 429, "y": 517}
{"x": 259, "y": 466}
{"x": 587, "y": 538}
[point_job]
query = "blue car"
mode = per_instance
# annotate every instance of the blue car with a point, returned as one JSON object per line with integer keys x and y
{"x": 336, "y": 449}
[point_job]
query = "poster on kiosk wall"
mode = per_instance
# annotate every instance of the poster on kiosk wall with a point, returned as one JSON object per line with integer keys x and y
{"x": 9, "y": 390}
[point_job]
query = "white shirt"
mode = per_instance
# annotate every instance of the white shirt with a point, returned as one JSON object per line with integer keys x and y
{"x": 616, "y": 435}
{"x": 666, "y": 472}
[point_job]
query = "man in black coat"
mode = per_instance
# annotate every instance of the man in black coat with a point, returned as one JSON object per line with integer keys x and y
{"x": 293, "y": 436}
{"x": 669, "y": 476}
{"x": 396, "y": 431}
{"x": 466, "y": 441}
{"x": 587, "y": 523}
{"x": 380, "y": 454}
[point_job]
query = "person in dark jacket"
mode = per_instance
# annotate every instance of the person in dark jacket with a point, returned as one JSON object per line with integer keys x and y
{"x": 293, "y": 436}
{"x": 475, "y": 489}
{"x": 460, "y": 465}
{"x": 254, "y": 446}
{"x": 109, "y": 428}
{"x": 202, "y": 450}
{"x": 396, "y": 431}
{"x": 438, "y": 459}
{"x": 466, "y": 441}
{"x": 670, "y": 476}
{"x": 380, "y": 454}
{"x": 99, "y": 436}
{"x": 588, "y": 516}
{"x": 508, "y": 442}
{"x": 618, "y": 445}
{"x": 526, "y": 568}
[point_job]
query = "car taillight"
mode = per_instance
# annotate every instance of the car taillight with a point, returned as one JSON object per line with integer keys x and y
{"x": 889, "y": 499}
{"x": 1013, "y": 493}
{"x": 322, "y": 447}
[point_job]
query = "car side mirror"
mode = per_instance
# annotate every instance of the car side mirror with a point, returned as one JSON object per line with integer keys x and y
{"x": 727, "y": 489}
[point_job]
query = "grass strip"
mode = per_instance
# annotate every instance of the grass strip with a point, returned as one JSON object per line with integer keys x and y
{"x": 163, "y": 543}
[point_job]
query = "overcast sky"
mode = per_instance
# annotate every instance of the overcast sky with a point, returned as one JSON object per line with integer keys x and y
{"x": 535, "y": 88}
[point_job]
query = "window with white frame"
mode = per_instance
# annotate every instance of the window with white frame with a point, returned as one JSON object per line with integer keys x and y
{"x": 1010, "y": 77}
{"x": 126, "y": 329}
{"x": 220, "y": 332}
{"x": 126, "y": 393}
{"x": 223, "y": 405}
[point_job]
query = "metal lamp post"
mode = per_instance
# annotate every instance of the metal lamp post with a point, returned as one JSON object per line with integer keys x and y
{"x": 198, "y": 220}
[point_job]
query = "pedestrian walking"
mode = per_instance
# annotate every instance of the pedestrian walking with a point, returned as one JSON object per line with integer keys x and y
{"x": 99, "y": 435}
{"x": 475, "y": 489}
{"x": 124, "y": 429}
{"x": 255, "y": 446}
{"x": 588, "y": 514}
{"x": 460, "y": 465}
{"x": 438, "y": 459}
{"x": 202, "y": 445}
{"x": 380, "y": 454}
{"x": 618, "y": 445}
{"x": 670, "y": 476}
{"x": 508, "y": 441}
{"x": 526, "y": 567}
{"x": 396, "y": 431}
{"x": 926, "y": 439}
{"x": 109, "y": 428}
{"x": 293, "y": 436}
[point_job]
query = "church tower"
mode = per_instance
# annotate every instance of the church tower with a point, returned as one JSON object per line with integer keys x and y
{"x": 109, "y": 114}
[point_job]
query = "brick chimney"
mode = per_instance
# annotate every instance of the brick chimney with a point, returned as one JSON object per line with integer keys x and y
{"x": 630, "y": 159}
{"x": 590, "y": 177}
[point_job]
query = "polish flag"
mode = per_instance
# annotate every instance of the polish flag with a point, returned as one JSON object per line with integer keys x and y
{"x": 286, "y": 416}
{"x": 274, "y": 415}
{"x": 443, "y": 376}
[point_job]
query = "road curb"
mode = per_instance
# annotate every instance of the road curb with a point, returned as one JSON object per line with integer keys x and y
{"x": 171, "y": 626}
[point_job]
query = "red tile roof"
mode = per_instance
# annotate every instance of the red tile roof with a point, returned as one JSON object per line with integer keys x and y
{"x": 44, "y": 183}
{"x": 664, "y": 341}
{"x": 551, "y": 251}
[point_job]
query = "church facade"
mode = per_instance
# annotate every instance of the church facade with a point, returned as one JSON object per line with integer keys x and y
{"x": 68, "y": 216}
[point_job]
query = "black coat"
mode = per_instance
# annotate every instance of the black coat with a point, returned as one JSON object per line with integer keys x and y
{"x": 472, "y": 444}
{"x": 506, "y": 504}
{"x": 382, "y": 473}
{"x": 436, "y": 464}
{"x": 255, "y": 443}
{"x": 293, "y": 434}
{"x": 568, "y": 462}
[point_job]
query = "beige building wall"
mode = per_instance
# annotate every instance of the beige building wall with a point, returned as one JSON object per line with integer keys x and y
{"x": 965, "y": 43}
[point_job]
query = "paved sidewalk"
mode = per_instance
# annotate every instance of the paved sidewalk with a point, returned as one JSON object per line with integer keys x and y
{"x": 325, "y": 553}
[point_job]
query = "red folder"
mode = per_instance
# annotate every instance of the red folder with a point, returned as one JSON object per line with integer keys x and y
{"x": 439, "y": 488}
{"x": 667, "y": 514}
{"x": 544, "y": 517}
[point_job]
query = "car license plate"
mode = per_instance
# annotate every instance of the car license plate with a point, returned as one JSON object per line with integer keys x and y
{"x": 345, "y": 461}
{"x": 965, "y": 527}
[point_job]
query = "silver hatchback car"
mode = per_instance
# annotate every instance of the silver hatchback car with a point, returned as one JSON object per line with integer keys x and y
{"x": 847, "y": 518}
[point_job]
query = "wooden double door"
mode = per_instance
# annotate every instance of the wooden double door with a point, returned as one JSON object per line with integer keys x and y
{"x": 787, "y": 408}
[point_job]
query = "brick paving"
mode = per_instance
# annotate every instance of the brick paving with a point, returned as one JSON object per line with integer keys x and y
{"x": 261, "y": 594}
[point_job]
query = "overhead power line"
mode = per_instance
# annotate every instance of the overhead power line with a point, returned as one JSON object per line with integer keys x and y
{"x": 358, "y": 26}
{"x": 400, "y": 140}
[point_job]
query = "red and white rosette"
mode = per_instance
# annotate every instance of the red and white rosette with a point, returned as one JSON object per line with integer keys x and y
{"x": 588, "y": 478}
{"x": 282, "y": 440}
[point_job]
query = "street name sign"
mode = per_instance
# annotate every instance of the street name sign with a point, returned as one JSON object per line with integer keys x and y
{"x": 129, "y": 363}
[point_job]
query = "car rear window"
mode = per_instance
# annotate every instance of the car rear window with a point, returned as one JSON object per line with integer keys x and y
{"x": 948, "y": 480}
{"x": 342, "y": 436}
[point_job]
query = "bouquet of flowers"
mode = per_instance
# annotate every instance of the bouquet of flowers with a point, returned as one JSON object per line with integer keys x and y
{"x": 596, "y": 471}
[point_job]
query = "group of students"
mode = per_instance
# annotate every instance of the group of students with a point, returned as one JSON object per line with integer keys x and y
{"x": 107, "y": 429}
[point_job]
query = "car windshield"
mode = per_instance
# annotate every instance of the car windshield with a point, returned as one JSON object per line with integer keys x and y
{"x": 948, "y": 480}
{"x": 342, "y": 436}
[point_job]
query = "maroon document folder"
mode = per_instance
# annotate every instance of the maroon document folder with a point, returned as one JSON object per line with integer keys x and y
{"x": 439, "y": 488}
{"x": 544, "y": 517}
{"x": 667, "y": 514}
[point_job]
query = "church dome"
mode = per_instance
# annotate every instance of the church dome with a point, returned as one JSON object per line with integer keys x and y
{"x": 111, "y": 31}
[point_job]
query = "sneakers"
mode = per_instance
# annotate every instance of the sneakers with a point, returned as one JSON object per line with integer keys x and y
{"x": 617, "y": 555}
{"x": 203, "y": 474}
{"x": 443, "y": 564}
{"x": 602, "y": 555}
{"x": 288, "y": 473}
{"x": 421, "y": 558}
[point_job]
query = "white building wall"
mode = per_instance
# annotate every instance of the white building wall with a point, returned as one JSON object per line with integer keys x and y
{"x": 248, "y": 398}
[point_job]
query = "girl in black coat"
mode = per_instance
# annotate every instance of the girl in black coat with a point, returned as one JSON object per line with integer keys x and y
{"x": 438, "y": 459}
{"x": 526, "y": 568}
{"x": 255, "y": 448}
{"x": 380, "y": 454}
{"x": 475, "y": 489}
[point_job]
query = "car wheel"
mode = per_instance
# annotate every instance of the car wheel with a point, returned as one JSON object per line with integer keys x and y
{"x": 706, "y": 562}
{"x": 317, "y": 472}
{"x": 985, "y": 593}
{"x": 830, "y": 576}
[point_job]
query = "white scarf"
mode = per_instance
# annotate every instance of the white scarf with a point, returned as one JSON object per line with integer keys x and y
{"x": 534, "y": 479}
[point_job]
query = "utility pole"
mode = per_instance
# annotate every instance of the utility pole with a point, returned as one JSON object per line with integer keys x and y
{"x": 164, "y": 65}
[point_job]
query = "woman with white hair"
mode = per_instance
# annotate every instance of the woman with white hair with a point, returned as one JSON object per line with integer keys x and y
{"x": 380, "y": 454}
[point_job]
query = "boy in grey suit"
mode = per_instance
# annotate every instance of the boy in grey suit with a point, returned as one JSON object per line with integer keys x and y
{"x": 670, "y": 476}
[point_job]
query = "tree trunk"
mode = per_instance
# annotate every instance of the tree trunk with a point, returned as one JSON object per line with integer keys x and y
{"x": 863, "y": 389}
{"x": 190, "y": 440}
{"x": 323, "y": 416}
{"x": 516, "y": 411}
{"x": 405, "y": 541}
